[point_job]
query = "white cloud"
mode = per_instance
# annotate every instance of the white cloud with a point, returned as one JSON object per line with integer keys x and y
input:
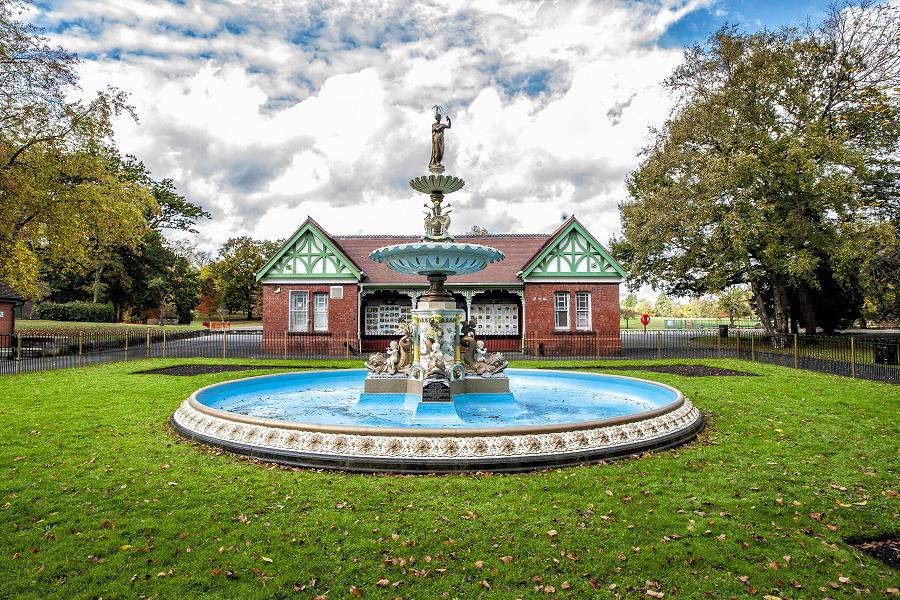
{"x": 265, "y": 112}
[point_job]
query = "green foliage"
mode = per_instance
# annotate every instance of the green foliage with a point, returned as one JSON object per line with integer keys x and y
{"x": 779, "y": 156}
{"x": 234, "y": 272}
{"x": 664, "y": 306}
{"x": 101, "y": 499}
{"x": 84, "y": 312}
{"x": 61, "y": 188}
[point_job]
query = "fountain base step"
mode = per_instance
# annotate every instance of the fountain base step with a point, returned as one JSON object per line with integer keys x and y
{"x": 471, "y": 384}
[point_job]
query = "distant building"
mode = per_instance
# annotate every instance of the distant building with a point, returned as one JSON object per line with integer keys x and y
{"x": 555, "y": 287}
{"x": 9, "y": 300}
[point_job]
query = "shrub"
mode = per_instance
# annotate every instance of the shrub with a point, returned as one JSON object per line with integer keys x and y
{"x": 84, "y": 312}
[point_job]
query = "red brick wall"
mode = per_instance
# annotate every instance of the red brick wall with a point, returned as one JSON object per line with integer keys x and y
{"x": 6, "y": 324}
{"x": 540, "y": 317}
{"x": 342, "y": 314}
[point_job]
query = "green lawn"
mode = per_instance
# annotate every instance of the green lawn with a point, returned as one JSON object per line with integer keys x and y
{"x": 42, "y": 326}
{"x": 101, "y": 499}
{"x": 681, "y": 323}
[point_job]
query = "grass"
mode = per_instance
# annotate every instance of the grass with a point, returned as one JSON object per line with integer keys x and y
{"x": 681, "y": 323}
{"x": 101, "y": 499}
{"x": 837, "y": 348}
{"x": 39, "y": 326}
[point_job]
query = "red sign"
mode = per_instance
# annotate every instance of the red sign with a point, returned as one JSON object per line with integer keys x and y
{"x": 645, "y": 319}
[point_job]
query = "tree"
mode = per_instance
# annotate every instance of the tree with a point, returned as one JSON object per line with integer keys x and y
{"x": 61, "y": 189}
{"x": 643, "y": 307}
{"x": 780, "y": 155}
{"x": 235, "y": 272}
{"x": 627, "y": 313}
{"x": 664, "y": 306}
{"x": 478, "y": 230}
{"x": 630, "y": 301}
{"x": 734, "y": 303}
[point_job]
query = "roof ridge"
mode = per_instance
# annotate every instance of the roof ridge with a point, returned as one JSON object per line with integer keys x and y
{"x": 464, "y": 235}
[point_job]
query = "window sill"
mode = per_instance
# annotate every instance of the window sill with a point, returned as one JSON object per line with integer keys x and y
{"x": 302, "y": 333}
{"x": 576, "y": 332}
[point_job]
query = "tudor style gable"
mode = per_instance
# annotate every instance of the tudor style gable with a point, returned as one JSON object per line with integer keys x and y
{"x": 310, "y": 254}
{"x": 572, "y": 253}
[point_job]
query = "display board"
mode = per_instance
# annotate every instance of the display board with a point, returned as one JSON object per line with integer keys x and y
{"x": 496, "y": 319}
{"x": 384, "y": 319}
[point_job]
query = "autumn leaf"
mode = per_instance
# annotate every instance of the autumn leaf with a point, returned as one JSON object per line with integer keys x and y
{"x": 355, "y": 591}
{"x": 506, "y": 559}
{"x": 383, "y": 582}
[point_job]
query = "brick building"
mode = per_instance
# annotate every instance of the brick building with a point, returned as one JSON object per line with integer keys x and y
{"x": 9, "y": 299}
{"x": 555, "y": 290}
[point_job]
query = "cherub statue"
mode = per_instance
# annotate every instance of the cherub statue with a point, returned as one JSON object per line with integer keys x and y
{"x": 480, "y": 352}
{"x": 393, "y": 358}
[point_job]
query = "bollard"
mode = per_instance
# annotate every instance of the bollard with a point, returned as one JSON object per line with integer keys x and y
{"x": 126, "y": 345}
{"x": 18, "y": 354}
{"x": 853, "y": 357}
{"x": 148, "y": 342}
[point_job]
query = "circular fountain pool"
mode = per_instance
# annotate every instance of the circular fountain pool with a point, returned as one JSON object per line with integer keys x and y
{"x": 549, "y": 418}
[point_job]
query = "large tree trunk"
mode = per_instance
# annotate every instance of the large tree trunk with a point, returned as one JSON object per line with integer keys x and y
{"x": 764, "y": 318}
{"x": 806, "y": 307}
{"x": 782, "y": 308}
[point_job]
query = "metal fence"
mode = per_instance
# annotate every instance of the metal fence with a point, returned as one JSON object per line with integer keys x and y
{"x": 865, "y": 357}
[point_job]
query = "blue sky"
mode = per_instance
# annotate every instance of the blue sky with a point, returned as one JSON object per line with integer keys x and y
{"x": 266, "y": 111}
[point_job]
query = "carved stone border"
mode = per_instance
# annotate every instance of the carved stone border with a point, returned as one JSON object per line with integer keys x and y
{"x": 372, "y": 451}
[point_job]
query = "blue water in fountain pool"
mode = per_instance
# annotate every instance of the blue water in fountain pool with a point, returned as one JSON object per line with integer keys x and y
{"x": 536, "y": 398}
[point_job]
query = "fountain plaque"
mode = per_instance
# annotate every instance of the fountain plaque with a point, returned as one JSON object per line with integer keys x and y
{"x": 436, "y": 390}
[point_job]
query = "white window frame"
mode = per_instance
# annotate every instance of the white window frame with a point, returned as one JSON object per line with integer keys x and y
{"x": 320, "y": 314}
{"x": 560, "y": 308}
{"x": 298, "y": 318}
{"x": 583, "y": 311}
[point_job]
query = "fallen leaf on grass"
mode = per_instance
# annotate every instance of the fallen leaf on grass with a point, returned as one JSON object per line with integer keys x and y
{"x": 506, "y": 559}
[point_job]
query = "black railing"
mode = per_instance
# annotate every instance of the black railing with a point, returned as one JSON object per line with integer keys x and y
{"x": 865, "y": 356}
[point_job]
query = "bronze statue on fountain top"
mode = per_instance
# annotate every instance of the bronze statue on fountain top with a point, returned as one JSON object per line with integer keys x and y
{"x": 437, "y": 140}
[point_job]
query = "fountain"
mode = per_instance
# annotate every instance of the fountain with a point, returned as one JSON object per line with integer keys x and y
{"x": 438, "y": 357}
{"x": 436, "y": 400}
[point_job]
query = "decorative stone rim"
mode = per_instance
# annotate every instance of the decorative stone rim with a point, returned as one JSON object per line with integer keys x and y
{"x": 429, "y": 184}
{"x": 438, "y": 450}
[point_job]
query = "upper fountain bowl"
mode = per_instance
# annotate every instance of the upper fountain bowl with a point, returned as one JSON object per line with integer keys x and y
{"x": 432, "y": 184}
{"x": 431, "y": 258}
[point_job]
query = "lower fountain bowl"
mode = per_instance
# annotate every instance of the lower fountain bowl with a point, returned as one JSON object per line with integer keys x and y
{"x": 436, "y": 441}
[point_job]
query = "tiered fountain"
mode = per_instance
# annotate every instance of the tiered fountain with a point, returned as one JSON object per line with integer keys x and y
{"x": 438, "y": 357}
{"x": 436, "y": 400}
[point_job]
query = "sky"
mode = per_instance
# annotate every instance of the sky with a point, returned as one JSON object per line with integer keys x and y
{"x": 266, "y": 111}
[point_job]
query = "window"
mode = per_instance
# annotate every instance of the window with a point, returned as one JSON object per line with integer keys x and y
{"x": 298, "y": 310}
{"x": 562, "y": 310}
{"x": 583, "y": 310}
{"x": 337, "y": 292}
{"x": 320, "y": 314}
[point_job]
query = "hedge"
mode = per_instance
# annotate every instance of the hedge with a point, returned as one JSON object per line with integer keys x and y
{"x": 84, "y": 312}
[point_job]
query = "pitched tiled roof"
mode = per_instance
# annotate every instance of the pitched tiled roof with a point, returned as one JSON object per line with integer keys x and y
{"x": 518, "y": 249}
{"x": 7, "y": 293}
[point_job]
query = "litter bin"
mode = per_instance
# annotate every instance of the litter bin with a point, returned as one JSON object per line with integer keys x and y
{"x": 886, "y": 352}
{"x": 723, "y": 331}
